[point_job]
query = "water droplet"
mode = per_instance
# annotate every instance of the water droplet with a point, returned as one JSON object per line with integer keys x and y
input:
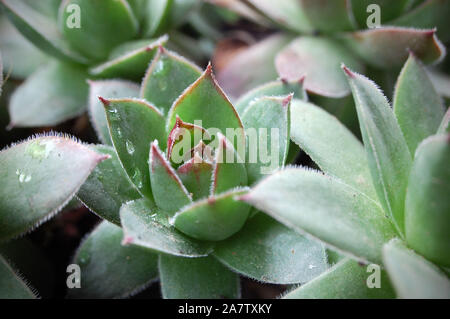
{"x": 311, "y": 266}
{"x": 130, "y": 147}
{"x": 23, "y": 178}
{"x": 40, "y": 149}
{"x": 137, "y": 178}
{"x": 119, "y": 132}
{"x": 159, "y": 68}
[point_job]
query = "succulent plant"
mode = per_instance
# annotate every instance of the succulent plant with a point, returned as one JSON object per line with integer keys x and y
{"x": 384, "y": 203}
{"x": 64, "y": 42}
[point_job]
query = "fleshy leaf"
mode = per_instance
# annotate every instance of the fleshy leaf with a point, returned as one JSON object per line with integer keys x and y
{"x": 65, "y": 97}
{"x": 39, "y": 177}
{"x": 103, "y": 25}
{"x": 389, "y": 10}
{"x": 11, "y": 285}
{"x": 387, "y": 152}
{"x": 417, "y": 105}
{"x": 343, "y": 217}
{"x": 269, "y": 252}
{"x": 102, "y": 257}
{"x": 346, "y": 280}
{"x": 331, "y": 146}
{"x": 427, "y": 214}
{"x": 318, "y": 59}
{"x": 167, "y": 77}
{"x": 444, "y": 126}
{"x": 441, "y": 82}
{"x": 157, "y": 14}
{"x": 228, "y": 170}
{"x": 133, "y": 125}
{"x": 372, "y": 45}
{"x": 168, "y": 190}
{"x": 144, "y": 226}
{"x": 129, "y": 60}
{"x": 267, "y": 126}
{"x": 108, "y": 187}
{"x": 215, "y": 218}
{"x": 196, "y": 176}
{"x": 329, "y": 16}
{"x": 108, "y": 89}
{"x": 196, "y": 278}
{"x": 412, "y": 275}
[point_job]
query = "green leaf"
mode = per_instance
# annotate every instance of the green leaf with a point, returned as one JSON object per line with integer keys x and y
{"x": 444, "y": 126}
{"x": 329, "y": 16}
{"x": 11, "y": 285}
{"x": 318, "y": 59}
{"x": 131, "y": 141}
{"x": 157, "y": 15}
{"x": 167, "y": 77}
{"x": 144, "y": 226}
{"x": 102, "y": 258}
{"x": 228, "y": 168}
{"x": 253, "y": 66}
{"x": 412, "y": 275}
{"x": 417, "y": 105}
{"x": 168, "y": 190}
{"x": 269, "y": 252}
{"x": 274, "y": 88}
{"x": 389, "y": 10}
{"x": 129, "y": 60}
{"x": 39, "y": 177}
{"x": 346, "y": 280}
{"x": 108, "y": 89}
{"x": 343, "y": 217}
{"x": 196, "y": 278}
{"x": 66, "y": 94}
{"x": 441, "y": 82}
{"x": 205, "y": 101}
{"x": 196, "y": 176}
{"x": 102, "y": 25}
{"x": 214, "y": 218}
{"x": 331, "y": 146}
{"x": 371, "y": 45}
{"x": 40, "y": 29}
{"x": 108, "y": 187}
{"x": 427, "y": 216}
{"x": 387, "y": 152}
{"x": 267, "y": 126}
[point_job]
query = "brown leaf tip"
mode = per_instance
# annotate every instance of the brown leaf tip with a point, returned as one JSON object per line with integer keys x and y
{"x": 347, "y": 71}
{"x": 104, "y": 101}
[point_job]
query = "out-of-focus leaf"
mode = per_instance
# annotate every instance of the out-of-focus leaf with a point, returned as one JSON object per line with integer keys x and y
{"x": 331, "y": 146}
{"x": 39, "y": 177}
{"x": 101, "y": 257}
{"x": 445, "y": 127}
{"x": 388, "y": 47}
{"x": 268, "y": 251}
{"x": 388, "y": 10}
{"x": 54, "y": 93}
{"x": 108, "y": 89}
{"x": 11, "y": 285}
{"x": 145, "y": 226}
{"x": 347, "y": 279}
{"x": 107, "y": 187}
{"x": 317, "y": 59}
{"x": 131, "y": 141}
{"x": 417, "y": 106}
{"x": 329, "y": 16}
{"x": 343, "y": 217}
{"x": 387, "y": 152}
{"x": 412, "y": 275}
{"x": 427, "y": 211}
{"x": 196, "y": 278}
{"x": 441, "y": 82}
{"x": 157, "y": 16}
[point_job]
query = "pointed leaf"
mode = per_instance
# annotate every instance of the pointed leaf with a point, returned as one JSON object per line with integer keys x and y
{"x": 387, "y": 152}
{"x": 167, "y": 77}
{"x": 103, "y": 25}
{"x": 269, "y": 252}
{"x": 108, "y": 187}
{"x": 129, "y": 60}
{"x": 325, "y": 208}
{"x": 39, "y": 177}
{"x": 331, "y": 146}
{"x": 372, "y": 45}
{"x": 168, "y": 190}
{"x": 133, "y": 124}
{"x": 145, "y": 226}
{"x": 329, "y": 16}
{"x": 11, "y": 285}
{"x": 215, "y": 218}
{"x": 108, "y": 89}
{"x": 65, "y": 97}
{"x": 196, "y": 278}
{"x": 417, "y": 105}
{"x": 346, "y": 280}
{"x": 319, "y": 60}
{"x": 101, "y": 257}
{"x": 412, "y": 276}
{"x": 196, "y": 176}
{"x": 267, "y": 126}
{"x": 427, "y": 201}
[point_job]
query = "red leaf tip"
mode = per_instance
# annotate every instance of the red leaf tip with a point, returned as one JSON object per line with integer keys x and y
{"x": 127, "y": 240}
{"x": 287, "y": 100}
{"x": 347, "y": 71}
{"x": 104, "y": 101}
